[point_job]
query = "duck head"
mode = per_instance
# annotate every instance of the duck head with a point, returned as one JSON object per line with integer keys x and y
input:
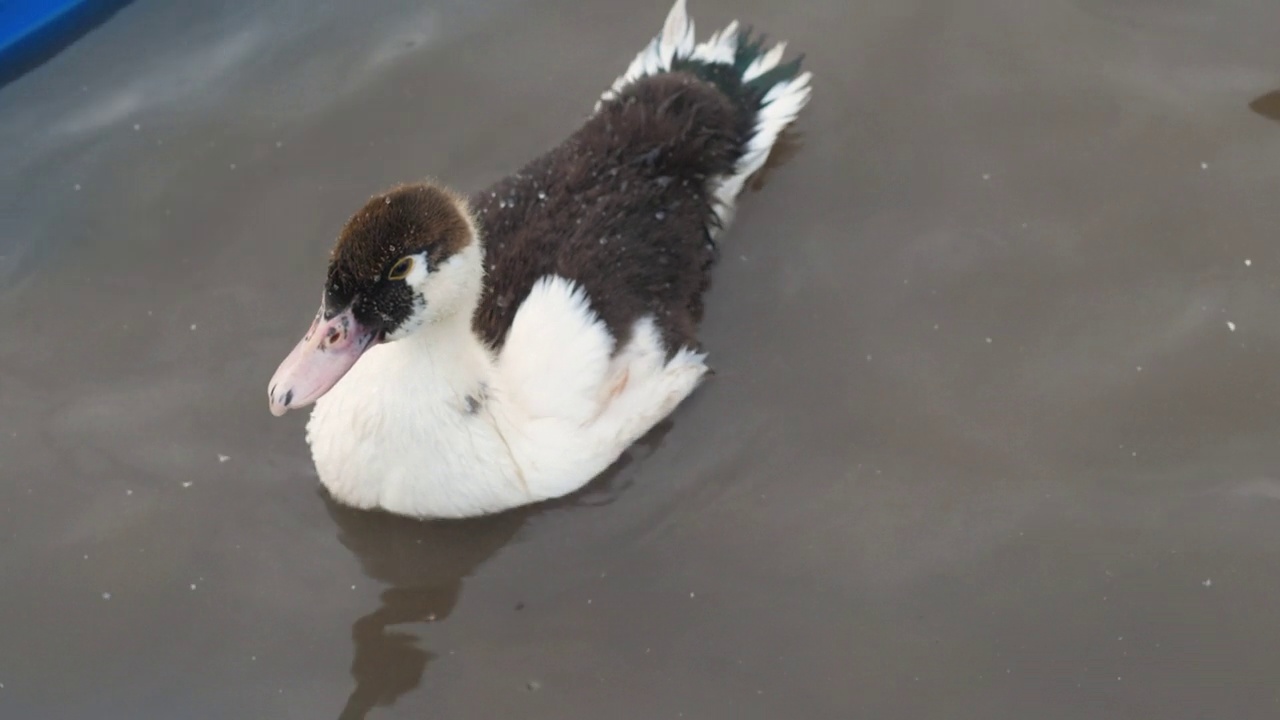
{"x": 406, "y": 260}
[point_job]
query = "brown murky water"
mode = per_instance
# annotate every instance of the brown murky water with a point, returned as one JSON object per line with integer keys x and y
{"x": 993, "y": 434}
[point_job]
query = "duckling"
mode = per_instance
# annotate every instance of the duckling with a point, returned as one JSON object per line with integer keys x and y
{"x": 476, "y": 354}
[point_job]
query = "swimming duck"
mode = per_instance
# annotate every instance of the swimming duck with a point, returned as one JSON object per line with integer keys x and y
{"x": 475, "y": 354}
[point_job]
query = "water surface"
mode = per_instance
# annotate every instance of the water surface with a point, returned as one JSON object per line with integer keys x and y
{"x": 993, "y": 433}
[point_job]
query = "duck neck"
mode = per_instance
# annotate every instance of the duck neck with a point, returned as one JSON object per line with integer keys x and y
{"x": 455, "y": 354}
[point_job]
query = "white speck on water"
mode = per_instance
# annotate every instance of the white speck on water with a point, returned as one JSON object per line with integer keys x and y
{"x": 1208, "y": 582}
{"x": 193, "y": 327}
{"x": 193, "y": 586}
{"x": 743, "y": 258}
{"x": 1139, "y": 368}
{"x": 353, "y": 587}
{"x": 935, "y": 327}
{"x": 106, "y": 596}
{"x": 542, "y": 195}
{"x": 77, "y": 187}
{"x": 223, "y": 458}
{"x": 1231, "y": 326}
{"x": 988, "y": 341}
{"x": 1204, "y": 166}
{"x": 186, "y": 484}
{"x": 279, "y": 143}
{"x": 868, "y": 358}
{"x": 986, "y": 176}
{"x": 691, "y": 595}
{"x": 588, "y": 601}
{"x": 253, "y": 657}
{"x": 128, "y": 492}
{"x": 1247, "y": 262}
{"x": 86, "y": 557}
{"x": 137, "y": 127}
{"x": 233, "y": 166}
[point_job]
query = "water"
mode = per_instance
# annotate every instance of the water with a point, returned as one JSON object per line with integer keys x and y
{"x": 870, "y": 511}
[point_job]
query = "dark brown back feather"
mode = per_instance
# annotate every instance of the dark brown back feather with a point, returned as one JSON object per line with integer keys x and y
{"x": 622, "y": 207}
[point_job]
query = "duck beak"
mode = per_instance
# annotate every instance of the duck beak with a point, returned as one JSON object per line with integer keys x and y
{"x": 329, "y": 349}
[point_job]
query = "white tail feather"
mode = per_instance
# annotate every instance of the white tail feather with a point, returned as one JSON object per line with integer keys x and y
{"x": 677, "y": 34}
{"x": 765, "y": 62}
{"x": 720, "y": 49}
{"x": 779, "y": 108}
{"x": 676, "y": 42}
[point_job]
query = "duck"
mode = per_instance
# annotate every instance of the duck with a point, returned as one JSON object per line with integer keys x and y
{"x": 478, "y": 353}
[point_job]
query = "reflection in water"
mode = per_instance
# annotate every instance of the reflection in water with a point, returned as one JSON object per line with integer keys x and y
{"x": 388, "y": 664}
{"x": 424, "y": 563}
{"x": 1268, "y": 106}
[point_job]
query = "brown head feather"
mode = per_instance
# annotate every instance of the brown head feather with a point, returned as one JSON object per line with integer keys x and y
{"x": 414, "y": 219}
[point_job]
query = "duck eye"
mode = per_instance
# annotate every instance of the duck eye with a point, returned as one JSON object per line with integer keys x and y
{"x": 401, "y": 269}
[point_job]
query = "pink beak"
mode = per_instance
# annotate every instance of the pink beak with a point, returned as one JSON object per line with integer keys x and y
{"x": 329, "y": 349}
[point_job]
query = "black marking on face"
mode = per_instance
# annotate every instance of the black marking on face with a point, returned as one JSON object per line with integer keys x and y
{"x": 408, "y": 220}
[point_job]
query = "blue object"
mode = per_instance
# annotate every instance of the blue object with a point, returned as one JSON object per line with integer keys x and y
{"x": 33, "y": 31}
{"x": 21, "y": 19}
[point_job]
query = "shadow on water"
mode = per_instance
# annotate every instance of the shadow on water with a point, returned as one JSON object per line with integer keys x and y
{"x": 1268, "y": 106}
{"x": 424, "y": 564}
{"x": 790, "y": 141}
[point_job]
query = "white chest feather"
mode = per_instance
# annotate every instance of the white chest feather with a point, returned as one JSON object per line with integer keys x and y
{"x": 433, "y": 426}
{"x": 399, "y": 432}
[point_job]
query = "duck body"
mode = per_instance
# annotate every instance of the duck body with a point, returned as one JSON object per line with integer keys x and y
{"x": 513, "y": 344}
